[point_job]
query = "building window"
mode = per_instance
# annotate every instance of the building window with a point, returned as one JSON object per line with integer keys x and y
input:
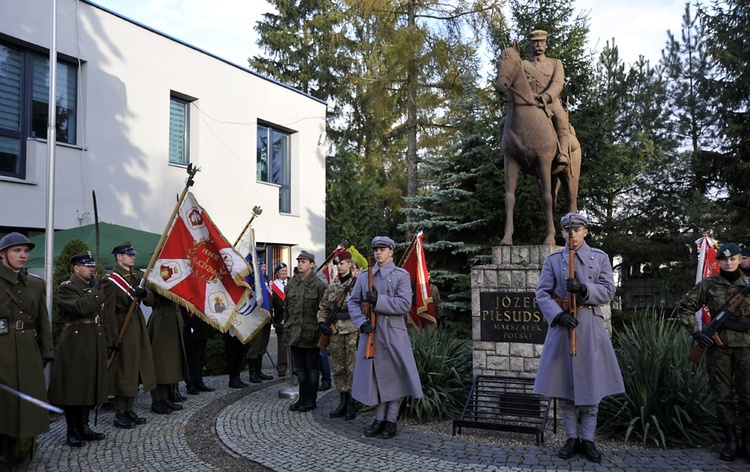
{"x": 274, "y": 162}
{"x": 179, "y": 121}
{"x": 24, "y": 104}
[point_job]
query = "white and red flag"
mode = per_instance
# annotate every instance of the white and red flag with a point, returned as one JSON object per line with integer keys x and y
{"x": 707, "y": 266}
{"x": 199, "y": 269}
{"x": 422, "y": 312}
{"x": 256, "y": 311}
{"x": 329, "y": 268}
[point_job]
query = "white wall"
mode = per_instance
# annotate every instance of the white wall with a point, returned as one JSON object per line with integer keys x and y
{"x": 127, "y": 75}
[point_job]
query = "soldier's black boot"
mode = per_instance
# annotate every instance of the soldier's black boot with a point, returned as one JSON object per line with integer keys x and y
{"x": 729, "y": 453}
{"x": 259, "y": 369}
{"x": 375, "y": 428}
{"x": 123, "y": 421}
{"x": 174, "y": 394}
{"x": 73, "y": 439}
{"x": 571, "y": 448}
{"x": 6, "y": 453}
{"x": 341, "y": 409}
{"x": 83, "y": 426}
{"x": 390, "y": 430}
{"x": 351, "y": 412}
{"x": 253, "y": 375}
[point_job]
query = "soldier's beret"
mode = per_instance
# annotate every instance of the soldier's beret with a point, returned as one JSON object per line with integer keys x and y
{"x": 574, "y": 220}
{"x": 306, "y": 255}
{"x": 383, "y": 241}
{"x": 342, "y": 256}
{"x": 745, "y": 252}
{"x": 538, "y": 34}
{"x": 85, "y": 259}
{"x": 727, "y": 250}
{"x": 279, "y": 267}
{"x": 124, "y": 248}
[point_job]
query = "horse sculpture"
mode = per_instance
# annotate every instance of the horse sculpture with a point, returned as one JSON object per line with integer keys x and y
{"x": 529, "y": 144}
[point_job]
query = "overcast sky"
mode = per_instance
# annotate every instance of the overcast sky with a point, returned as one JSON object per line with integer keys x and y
{"x": 225, "y": 27}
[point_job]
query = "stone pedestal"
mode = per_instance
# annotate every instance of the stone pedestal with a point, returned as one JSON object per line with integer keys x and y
{"x": 513, "y": 269}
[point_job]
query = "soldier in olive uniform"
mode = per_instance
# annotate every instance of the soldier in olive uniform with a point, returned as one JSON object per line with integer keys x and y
{"x": 581, "y": 381}
{"x": 79, "y": 377}
{"x": 303, "y": 295}
{"x": 133, "y": 362}
{"x": 343, "y": 343}
{"x": 25, "y": 346}
{"x": 728, "y": 365}
{"x": 165, "y": 327}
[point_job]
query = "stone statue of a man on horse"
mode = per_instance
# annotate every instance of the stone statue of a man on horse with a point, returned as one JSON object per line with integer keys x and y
{"x": 535, "y": 135}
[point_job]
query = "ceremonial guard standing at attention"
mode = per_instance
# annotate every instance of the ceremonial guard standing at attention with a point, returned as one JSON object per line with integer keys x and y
{"x": 79, "y": 375}
{"x": 579, "y": 377}
{"x": 25, "y": 346}
{"x": 133, "y": 361}
{"x": 278, "y": 288}
{"x": 392, "y": 374}
{"x": 165, "y": 329}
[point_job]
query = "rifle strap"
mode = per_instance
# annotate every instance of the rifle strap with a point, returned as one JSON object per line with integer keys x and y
{"x": 5, "y": 286}
{"x": 742, "y": 325}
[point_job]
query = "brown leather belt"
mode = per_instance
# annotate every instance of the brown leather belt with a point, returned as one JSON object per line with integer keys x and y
{"x": 97, "y": 320}
{"x": 565, "y": 304}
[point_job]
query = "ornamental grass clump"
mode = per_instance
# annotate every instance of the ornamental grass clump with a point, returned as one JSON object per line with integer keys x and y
{"x": 667, "y": 400}
{"x": 445, "y": 370}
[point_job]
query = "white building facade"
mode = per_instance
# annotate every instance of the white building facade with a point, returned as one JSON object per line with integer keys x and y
{"x": 134, "y": 108}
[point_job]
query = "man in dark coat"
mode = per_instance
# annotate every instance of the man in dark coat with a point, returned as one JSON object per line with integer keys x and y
{"x": 196, "y": 335}
{"x": 581, "y": 381}
{"x": 278, "y": 287}
{"x": 79, "y": 376}
{"x": 392, "y": 375}
{"x": 303, "y": 295}
{"x": 165, "y": 328}
{"x": 133, "y": 361}
{"x": 25, "y": 346}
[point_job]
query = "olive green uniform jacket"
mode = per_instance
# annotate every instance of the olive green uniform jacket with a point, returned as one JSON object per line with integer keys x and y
{"x": 21, "y": 354}
{"x": 165, "y": 328}
{"x": 79, "y": 374}
{"x": 301, "y": 309}
{"x": 134, "y": 363}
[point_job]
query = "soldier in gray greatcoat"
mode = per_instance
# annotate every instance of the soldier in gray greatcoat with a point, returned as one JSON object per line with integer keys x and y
{"x": 728, "y": 365}
{"x": 25, "y": 346}
{"x": 392, "y": 374}
{"x": 581, "y": 381}
{"x": 133, "y": 363}
{"x": 79, "y": 376}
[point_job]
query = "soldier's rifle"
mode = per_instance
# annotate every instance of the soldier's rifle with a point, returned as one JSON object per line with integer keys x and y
{"x": 369, "y": 311}
{"x": 191, "y": 170}
{"x": 718, "y": 321}
{"x": 344, "y": 242}
{"x": 573, "y": 305}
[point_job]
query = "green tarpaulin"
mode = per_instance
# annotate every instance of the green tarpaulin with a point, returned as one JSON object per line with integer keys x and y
{"x": 109, "y": 236}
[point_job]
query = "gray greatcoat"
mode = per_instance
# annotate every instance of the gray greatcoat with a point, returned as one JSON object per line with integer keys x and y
{"x": 134, "y": 362}
{"x": 79, "y": 374}
{"x": 594, "y": 372}
{"x": 165, "y": 330}
{"x": 392, "y": 374}
{"x": 21, "y": 354}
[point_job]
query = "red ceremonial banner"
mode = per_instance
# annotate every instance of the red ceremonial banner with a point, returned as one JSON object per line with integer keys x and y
{"x": 422, "y": 312}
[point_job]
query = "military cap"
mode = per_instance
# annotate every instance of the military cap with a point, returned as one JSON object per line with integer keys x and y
{"x": 574, "y": 220}
{"x": 342, "y": 256}
{"x": 85, "y": 259}
{"x": 383, "y": 241}
{"x": 306, "y": 255}
{"x": 727, "y": 250}
{"x": 745, "y": 252}
{"x": 124, "y": 248}
{"x": 538, "y": 34}
{"x": 279, "y": 267}
{"x": 15, "y": 239}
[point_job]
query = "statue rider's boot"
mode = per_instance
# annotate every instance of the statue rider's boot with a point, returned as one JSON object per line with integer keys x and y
{"x": 729, "y": 453}
{"x": 563, "y": 158}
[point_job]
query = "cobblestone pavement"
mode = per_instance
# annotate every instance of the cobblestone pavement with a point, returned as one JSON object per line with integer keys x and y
{"x": 252, "y": 430}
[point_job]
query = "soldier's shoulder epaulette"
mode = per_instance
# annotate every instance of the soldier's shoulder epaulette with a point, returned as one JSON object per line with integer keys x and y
{"x": 598, "y": 251}
{"x": 35, "y": 276}
{"x": 556, "y": 252}
{"x": 65, "y": 282}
